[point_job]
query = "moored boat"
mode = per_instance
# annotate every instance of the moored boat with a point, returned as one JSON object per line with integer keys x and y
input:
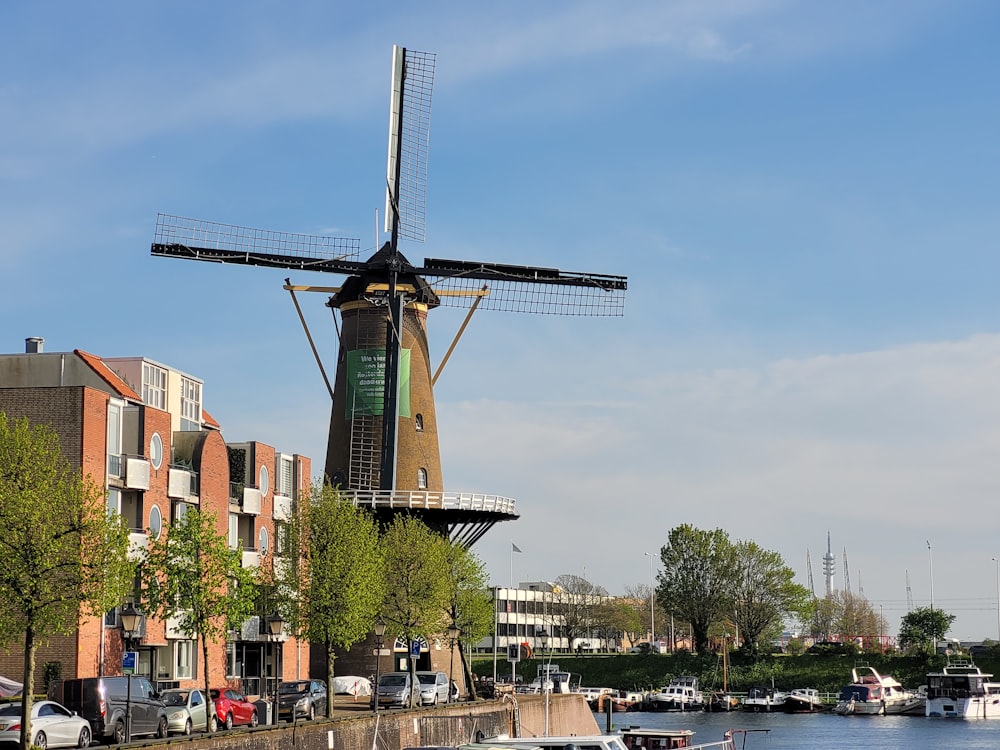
{"x": 682, "y": 694}
{"x": 803, "y": 700}
{"x": 962, "y": 690}
{"x": 639, "y": 738}
{"x": 763, "y": 698}
{"x": 873, "y": 694}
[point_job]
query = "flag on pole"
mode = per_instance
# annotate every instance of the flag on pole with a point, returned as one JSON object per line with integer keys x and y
{"x": 514, "y": 547}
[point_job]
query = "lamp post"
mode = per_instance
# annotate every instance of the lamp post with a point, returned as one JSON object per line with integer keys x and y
{"x": 997, "y": 561}
{"x": 652, "y": 622}
{"x": 379, "y": 633}
{"x": 544, "y": 638}
{"x": 453, "y": 633}
{"x": 131, "y": 623}
{"x": 276, "y": 628}
{"x": 930, "y": 563}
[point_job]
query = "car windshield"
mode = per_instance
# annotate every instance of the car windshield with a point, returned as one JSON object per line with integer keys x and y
{"x": 287, "y": 688}
{"x": 11, "y": 709}
{"x": 427, "y": 679}
{"x": 175, "y": 699}
{"x": 393, "y": 680}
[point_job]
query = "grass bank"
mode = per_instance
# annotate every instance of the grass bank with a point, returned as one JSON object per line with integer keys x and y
{"x": 825, "y": 672}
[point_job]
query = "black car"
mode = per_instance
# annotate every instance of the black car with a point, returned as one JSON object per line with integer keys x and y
{"x": 102, "y": 702}
{"x": 305, "y": 698}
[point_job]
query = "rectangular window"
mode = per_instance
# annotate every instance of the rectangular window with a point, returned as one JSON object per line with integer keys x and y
{"x": 234, "y": 531}
{"x": 114, "y": 439}
{"x": 190, "y": 405}
{"x": 286, "y": 476}
{"x": 154, "y": 386}
{"x": 182, "y": 660}
{"x": 114, "y": 502}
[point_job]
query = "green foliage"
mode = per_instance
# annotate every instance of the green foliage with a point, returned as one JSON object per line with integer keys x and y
{"x": 764, "y": 592}
{"x": 194, "y": 577}
{"x": 470, "y": 604}
{"x": 696, "y": 580}
{"x": 61, "y": 552}
{"x": 51, "y": 670}
{"x": 417, "y": 587}
{"x": 330, "y": 581}
{"x": 922, "y": 627}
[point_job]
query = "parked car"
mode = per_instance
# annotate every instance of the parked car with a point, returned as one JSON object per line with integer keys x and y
{"x": 186, "y": 711}
{"x": 395, "y": 689}
{"x": 433, "y": 688}
{"x": 101, "y": 701}
{"x": 301, "y": 698}
{"x": 52, "y": 725}
{"x": 232, "y": 708}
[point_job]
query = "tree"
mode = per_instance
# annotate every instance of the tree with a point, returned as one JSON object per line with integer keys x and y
{"x": 470, "y": 604}
{"x": 696, "y": 580}
{"x": 638, "y": 596}
{"x": 921, "y": 629}
{"x": 763, "y": 593}
{"x": 417, "y": 587}
{"x": 61, "y": 551}
{"x": 615, "y": 618}
{"x": 330, "y": 581}
{"x": 194, "y": 577}
{"x": 577, "y": 599}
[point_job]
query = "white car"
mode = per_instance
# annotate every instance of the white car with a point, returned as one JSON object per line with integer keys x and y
{"x": 52, "y": 725}
{"x": 433, "y": 688}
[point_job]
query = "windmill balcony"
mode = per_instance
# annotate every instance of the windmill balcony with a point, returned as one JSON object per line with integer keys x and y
{"x": 422, "y": 499}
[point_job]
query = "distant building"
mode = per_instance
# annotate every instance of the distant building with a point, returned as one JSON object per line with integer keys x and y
{"x": 140, "y": 428}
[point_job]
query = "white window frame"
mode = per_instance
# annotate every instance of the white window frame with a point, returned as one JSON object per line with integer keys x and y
{"x": 190, "y": 405}
{"x": 154, "y": 386}
{"x": 156, "y": 450}
{"x": 421, "y": 478}
{"x": 234, "y": 531}
{"x": 183, "y": 660}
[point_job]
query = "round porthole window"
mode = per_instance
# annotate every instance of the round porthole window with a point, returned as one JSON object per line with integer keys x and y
{"x": 265, "y": 481}
{"x": 156, "y": 450}
{"x": 264, "y": 541}
{"x": 155, "y": 522}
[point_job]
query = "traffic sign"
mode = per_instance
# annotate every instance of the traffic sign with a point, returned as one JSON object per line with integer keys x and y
{"x": 129, "y": 659}
{"x": 513, "y": 652}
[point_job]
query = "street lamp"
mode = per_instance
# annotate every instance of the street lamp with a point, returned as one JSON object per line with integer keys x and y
{"x": 543, "y": 637}
{"x": 379, "y": 633}
{"x": 997, "y": 561}
{"x": 131, "y": 624}
{"x": 453, "y": 633}
{"x": 276, "y": 628}
{"x": 930, "y": 562}
{"x": 652, "y": 622}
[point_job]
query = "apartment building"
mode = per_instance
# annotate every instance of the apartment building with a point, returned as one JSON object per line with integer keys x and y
{"x": 140, "y": 427}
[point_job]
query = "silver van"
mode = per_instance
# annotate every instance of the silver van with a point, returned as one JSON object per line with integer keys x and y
{"x": 395, "y": 689}
{"x": 433, "y": 688}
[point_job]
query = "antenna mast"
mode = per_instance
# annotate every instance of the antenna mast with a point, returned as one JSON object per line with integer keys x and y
{"x": 809, "y": 570}
{"x": 847, "y": 574}
{"x": 909, "y": 594}
{"x": 829, "y": 567}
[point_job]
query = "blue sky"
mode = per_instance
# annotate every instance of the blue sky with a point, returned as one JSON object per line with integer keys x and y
{"x": 803, "y": 196}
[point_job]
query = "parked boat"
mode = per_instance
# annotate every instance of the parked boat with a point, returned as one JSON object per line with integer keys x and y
{"x": 763, "y": 698}
{"x": 722, "y": 700}
{"x": 803, "y": 700}
{"x": 962, "y": 690}
{"x": 872, "y": 694}
{"x": 682, "y": 694}
{"x": 638, "y": 738}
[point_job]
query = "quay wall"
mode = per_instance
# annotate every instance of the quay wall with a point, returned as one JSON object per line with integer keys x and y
{"x": 440, "y": 726}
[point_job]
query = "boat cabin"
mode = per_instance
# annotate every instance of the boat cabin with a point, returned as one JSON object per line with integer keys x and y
{"x": 638, "y": 738}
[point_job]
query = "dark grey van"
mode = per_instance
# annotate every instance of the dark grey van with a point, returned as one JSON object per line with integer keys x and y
{"x": 101, "y": 701}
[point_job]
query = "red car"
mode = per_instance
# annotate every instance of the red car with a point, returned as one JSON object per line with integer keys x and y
{"x": 232, "y": 708}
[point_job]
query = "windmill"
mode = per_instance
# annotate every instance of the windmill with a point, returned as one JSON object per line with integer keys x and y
{"x": 383, "y": 444}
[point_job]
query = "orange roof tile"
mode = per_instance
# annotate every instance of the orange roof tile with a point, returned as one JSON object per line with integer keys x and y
{"x": 107, "y": 374}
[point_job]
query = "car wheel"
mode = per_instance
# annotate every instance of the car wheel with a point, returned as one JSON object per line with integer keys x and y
{"x": 312, "y": 712}
{"x": 85, "y": 737}
{"x": 215, "y": 724}
{"x": 253, "y": 719}
{"x": 434, "y": 702}
{"x": 41, "y": 741}
{"x": 229, "y": 721}
{"x": 161, "y": 728}
{"x": 187, "y": 727}
{"x": 118, "y": 734}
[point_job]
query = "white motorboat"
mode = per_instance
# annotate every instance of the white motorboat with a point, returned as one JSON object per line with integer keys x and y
{"x": 682, "y": 694}
{"x": 962, "y": 690}
{"x": 762, "y": 698}
{"x": 872, "y": 694}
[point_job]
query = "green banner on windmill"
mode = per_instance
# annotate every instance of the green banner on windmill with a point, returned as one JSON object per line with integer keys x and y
{"x": 366, "y": 383}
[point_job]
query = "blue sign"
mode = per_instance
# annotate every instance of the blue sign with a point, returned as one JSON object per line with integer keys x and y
{"x": 129, "y": 659}
{"x": 415, "y": 649}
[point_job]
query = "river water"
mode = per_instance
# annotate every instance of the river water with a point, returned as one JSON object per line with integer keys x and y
{"x": 824, "y": 731}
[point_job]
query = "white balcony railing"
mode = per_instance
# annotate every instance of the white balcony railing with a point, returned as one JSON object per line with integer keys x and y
{"x": 251, "y": 501}
{"x": 138, "y": 543}
{"x": 282, "y": 508}
{"x": 421, "y": 499}
{"x": 251, "y": 559}
{"x": 136, "y": 472}
{"x": 182, "y": 483}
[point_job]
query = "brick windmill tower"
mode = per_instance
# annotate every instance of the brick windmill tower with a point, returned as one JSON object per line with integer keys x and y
{"x": 383, "y": 446}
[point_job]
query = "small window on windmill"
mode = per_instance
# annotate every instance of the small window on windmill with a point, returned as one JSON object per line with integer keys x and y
{"x": 422, "y": 479}
{"x": 418, "y": 421}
